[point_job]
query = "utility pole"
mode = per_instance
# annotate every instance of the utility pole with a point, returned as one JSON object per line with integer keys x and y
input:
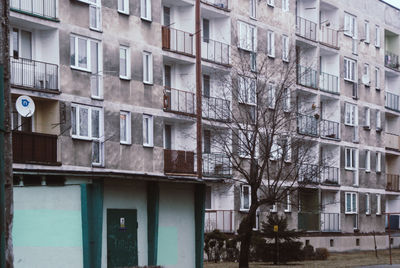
{"x": 6, "y": 182}
{"x": 198, "y": 90}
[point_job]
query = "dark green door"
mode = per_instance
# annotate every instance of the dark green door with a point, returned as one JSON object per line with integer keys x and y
{"x": 122, "y": 238}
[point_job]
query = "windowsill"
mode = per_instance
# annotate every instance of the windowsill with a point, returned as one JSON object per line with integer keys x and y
{"x": 379, "y": 130}
{"x": 125, "y": 78}
{"x": 285, "y": 60}
{"x": 367, "y": 214}
{"x": 367, "y": 128}
{"x": 287, "y": 211}
{"x": 97, "y": 98}
{"x": 378, "y": 172}
{"x": 253, "y": 18}
{"x": 244, "y": 210}
{"x": 96, "y": 30}
{"x": 348, "y": 35}
{"x": 146, "y": 19}
{"x": 349, "y": 80}
{"x": 97, "y": 165}
{"x": 378, "y": 214}
{"x": 126, "y": 13}
{"x": 351, "y": 213}
{"x": 270, "y": 5}
{"x": 348, "y": 125}
{"x": 148, "y": 146}
{"x": 271, "y": 56}
{"x": 377, "y": 47}
{"x": 148, "y": 83}
{"x": 125, "y": 143}
{"x": 377, "y": 89}
{"x": 367, "y": 171}
{"x": 81, "y": 138}
{"x": 366, "y": 42}
{"x": 80, "y": 69}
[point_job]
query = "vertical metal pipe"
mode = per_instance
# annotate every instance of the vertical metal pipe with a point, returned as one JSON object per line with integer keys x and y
{"x": 198, "y": 89}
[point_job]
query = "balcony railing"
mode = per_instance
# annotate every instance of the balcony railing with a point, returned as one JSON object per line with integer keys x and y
{"x": 215, "y": 51}
{"x": 329, "y": 129}
{"x": 41, "y": 8}
{"x": 309, "y": 173}
{"x": 219, "y": 220}
{"x": 216, "y": 108}
{"x": 329, "y": 37}
{"x": 216, "y": 165}
{"x": 306, "y": 28}
{"x": 392, "y": 101}
{"x": 34, "y": 148}
{"x": 392, "y": 182}
{"x": 330, "y": 175}
{"x": 179, "y": 101}
{"x": 177, "y": 41}
{"x": 178, "y": 162}
{"x": 307, "y": 125}
{"x": 222, "y": 4}
{"x": 391, "y": 60}
{"x": 34, "y": 74}
{"x": 392, "y": 141}
{"x": 329, "y": 83}
{"x": 330, "y": 222}
{"x": 306, "y": 76}
{"x": 308, "y": 221}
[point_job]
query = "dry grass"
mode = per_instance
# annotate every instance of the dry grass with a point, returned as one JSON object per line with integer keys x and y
{"x": 351, "y": 259}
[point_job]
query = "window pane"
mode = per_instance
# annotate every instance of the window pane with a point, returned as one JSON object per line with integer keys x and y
{"x": 354, "y": 208}
{"x": 15, "y": 43}
{"x": 95, "y": 123}
{"x": 72, "y": 50}
{"x": 73, "y": 120}
{"x": 122, "y": 124}
{"x": 122, "y": 62}
{"x": 145, "y": 130}
{"x": 83, "y": 122}
{"x": 96, "y": 152}
{"x": 246, "y": 195}
{"x": 82, "y": 53}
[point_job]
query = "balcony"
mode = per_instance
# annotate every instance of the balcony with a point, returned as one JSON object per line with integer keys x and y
{"x": 215, "y": 51}
{"x": 330, "y": 175}
{"x": 309, "y": 173}
{"x": 391, "y": 60}
{"x": 219, "y": 220}
{"x": 306, "y": 28}
{"x": 34, "y": 74}
{"x": 34, "y": 148}
{"x": 329, "y": 129}
{"x": 46, "y": 9}
{"x": 307, "y": 125}
{"x": 329, "y": 83}
{"x": 392, "y": 101}
{"x": 392, "y": 182}
{"x": 330, "y": 222}
{"x": 315, "y": 221}
{"x": 216, "y": 108}
{"x": 392, "y": 141}
{"x": 221, "y": 4}
{"x": 216, "y": 165}
{"x": 178, "y": 162}
{"x": 177, "y": 41}
{"x": 306, "y": 76}
{"x": 179, "y": 101}
{"x": 329, "y": 37}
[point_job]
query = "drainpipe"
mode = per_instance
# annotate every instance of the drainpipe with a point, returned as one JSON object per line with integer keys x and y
{"x": 198, "y": 90}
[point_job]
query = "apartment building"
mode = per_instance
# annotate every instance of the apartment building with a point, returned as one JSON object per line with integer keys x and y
{"x": 105, "y": 170}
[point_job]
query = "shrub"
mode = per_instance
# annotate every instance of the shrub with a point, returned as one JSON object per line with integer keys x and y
{"x": 321, "y": 254}
{"x": 308, "y": 252}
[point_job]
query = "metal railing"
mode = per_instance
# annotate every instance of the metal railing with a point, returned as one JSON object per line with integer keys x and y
{"x": 306, "y": 28}
{"x": 177, "y": 40}
{"x": 330, "y": 222}
{"x": 330, "y": 175}
{"x": 309, "y": 173}
{"x": 176, "y": 161}
{"x": 306, "y": 76}
{"x": 392, "y": 101}
{"x": 179, "y": 101}
{"x": 329, "y": 36}
{"x": 392, "y": 141}
{"x": 223, "y": 4}
{"x": 216, "y": 108}
{"x": 216, "y": 165}
{"x": 42, "y": 8}
{"x": 391, "y": 60}
{"x": 329, "y": 129}
{"x": 219, "y": 220}
{"x": 307, "y": 125}
{"x": 329, "y": 83}
{"x": 215, "y": 51}
{"x": 392, "y": 182}
{"x": 34, "y": 74}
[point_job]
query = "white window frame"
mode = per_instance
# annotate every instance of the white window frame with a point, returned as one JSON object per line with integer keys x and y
{"x": 377, "y": 36}
{"x": 368, "y": 161}
{"x": 287, "y": 100}
{"x": 242, "y": 143}
{"x": 271, "y": 3}
{"x": 271, "y": 95}
{"x": 367, "y": 204}
{"x": 378, "y": 120}
{"x": 353, "y": 208}
{"x": 247, "y": 36}
{"x": 288, "y": 205}
{"x": 377, "y": 78}
{"x": 271, "y": 44}
{"x": 145, "y": 10}
{"x": 253, "y": 9}
{"x": 350, "y": 25}
{"x": 257, "y": 215}
{"x": 247, "y": 88}
{"x": 123, "y": 6}
{"x": 149, "y": 131}
{"x": 242, "y": 208}
{"x": 351, "y": 158}
{"x": 253, "y": 61}
{"x": 350, "y": 69}
{"x": 378, "y": 163}
{"x": 378, "y": 204}
{"x": 366, "y": 32}
{"x": 274, "y": 208}
{"x": 78, "y": 135}
{"x": 147, "y": 67}
{"x": 128, "y": 129}
{"x": 367, "y": 117}
{"x": 76, "y": 57}
{"x": 285, "y": 5}
{"x": 127, "y": 62}
{"x": 285, "y": 48}
{"x": 351, "y": 114}
{"x": 366, "y": 74}
{"x": 96, "y": 6}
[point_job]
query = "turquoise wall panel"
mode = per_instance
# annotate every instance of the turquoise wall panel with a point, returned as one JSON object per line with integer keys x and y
{"x": 167, "y": 253}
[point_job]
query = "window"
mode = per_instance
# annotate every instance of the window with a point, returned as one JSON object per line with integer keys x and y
{"x": 366, "y": 32}
{"x": 247, "y": 90}
{"x": 206, "y": 30}
{"x": 351, "y": 158}
{"x": 123, "y": 6}
{"x": 351, "y": 203}
{"x": 378, "y": 162}
{"x": 286, "y": 104}
{"x": 82, "y": 51}
{"x": 245, "y": 143}
{"x": 86, "y": 122}
{"x": 377, "y": 36}
{"x": 271, "y": 3}
{"x": 124, "y": 62}
{"x": 274, "y": 208}
{"x": 125, "y": 127}
{"x": 245, "y": 197}
{"x": 271, "y": 95}
{"x": 166, "y": 16}
{"x": 350, "y": 69}
{"x": 378, "y": 204}
{"x": 206, "y": 85}
{"x": 256, "y": 220}
{"x": 367, "y": 204}
{"x": 95, "y": 15}
{"x": 253, "y": 61}
{"x": 378, "y": 121}
{"x": 208, "y": 197}
{"x": 285, "y": 5}
{"x": 350, "y": 25}
{"x": 367, "y": 118}
{"x": 351, "y": 114}
{"x": 147, "y": 130}
{"x": 365, "y": 78}
{"x": 207, "y": 141}
{"x": 147, "y": 67}
{"x": 247, "y": 36}
{"x": 377, "y": 78}
{"x": 287, "y": 206}
{"x": 367, "y": 161}
{"x": 285, "y": 48}
{"x": 21, "y": 44}
{"x": 168, "y": 137}
{"x": 253, "y": 8}
{"x": 271, "y": 44}
{"x": 145, "y": 9}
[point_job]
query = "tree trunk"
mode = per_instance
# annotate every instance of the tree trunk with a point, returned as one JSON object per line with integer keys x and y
{"x": 245, "y": 232}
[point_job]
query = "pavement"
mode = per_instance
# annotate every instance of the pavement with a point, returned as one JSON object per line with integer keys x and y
{"x": 380, "y": 266}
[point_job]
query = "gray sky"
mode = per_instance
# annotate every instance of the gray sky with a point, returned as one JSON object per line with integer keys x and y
{"x": 395, "y": 3}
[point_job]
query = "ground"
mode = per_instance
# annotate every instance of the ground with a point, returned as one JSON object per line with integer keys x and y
{"x": 352, "y": 259}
